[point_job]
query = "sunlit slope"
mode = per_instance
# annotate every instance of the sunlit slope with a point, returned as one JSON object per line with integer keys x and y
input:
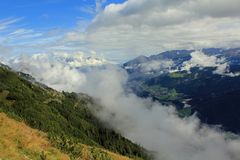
{"x": 20, "y": 142}
{"x": 65, "y": 117}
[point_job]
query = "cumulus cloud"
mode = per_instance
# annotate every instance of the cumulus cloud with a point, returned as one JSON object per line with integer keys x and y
{"x": 161, "y": 12}
{"x": 201, "y": 60}
{"x": 154, "y": 126}
{"x": 125, "y": 40}
{"x": 138, "y": 27}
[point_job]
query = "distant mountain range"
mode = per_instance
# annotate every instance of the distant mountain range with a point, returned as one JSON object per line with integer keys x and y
{"x": 173, "y": 60}
{"x": 205, "y": 82}
{"x": 79, "y": 60}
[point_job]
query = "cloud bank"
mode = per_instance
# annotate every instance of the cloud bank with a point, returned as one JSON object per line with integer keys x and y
{"x": 59, "y": 70}
{"x": 150, "y": 124}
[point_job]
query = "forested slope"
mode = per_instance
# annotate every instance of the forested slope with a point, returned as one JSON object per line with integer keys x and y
{"x": 65, "y": 117}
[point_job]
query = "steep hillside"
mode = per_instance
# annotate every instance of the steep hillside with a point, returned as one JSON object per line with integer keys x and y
{"x": 65, "y": 117}
{"x": 20, "y": 142}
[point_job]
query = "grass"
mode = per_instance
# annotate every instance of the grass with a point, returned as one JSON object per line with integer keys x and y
{"x": 95, "y": 153}
{"x": 20, "y": 142}
{"x": 177, "y": 75}
{"x": 162, "y": 93}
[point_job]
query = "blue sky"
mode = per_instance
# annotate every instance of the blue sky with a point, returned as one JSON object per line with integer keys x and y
{"x": 38, "y": 14}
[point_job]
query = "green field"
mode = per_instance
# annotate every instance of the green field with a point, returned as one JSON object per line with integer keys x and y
{"x": 162, "y": 93}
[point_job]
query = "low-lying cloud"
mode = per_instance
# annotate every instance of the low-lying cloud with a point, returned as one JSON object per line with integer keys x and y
{"x": 156, "y": 65}
{"x": 150, "y": 124}
{"x": 50, "y": 72}
{"x": 201, "y": 60}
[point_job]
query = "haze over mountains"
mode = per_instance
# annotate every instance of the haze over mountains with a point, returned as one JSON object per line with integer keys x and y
{"x": 165, "y": 126}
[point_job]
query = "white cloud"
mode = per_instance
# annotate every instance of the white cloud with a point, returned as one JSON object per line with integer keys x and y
{"x": 49, "y": 71}
{"x": 156, "y": 65}
{"x": 138, "y": 27}
{"x": 216, "y": 8}
{"x": 47, "y": 68}
{"x": 161, "y": 12}
{"x": 123, "y": 41}
{"x": 148, "y": 123}
{"x": 201, "y": 60}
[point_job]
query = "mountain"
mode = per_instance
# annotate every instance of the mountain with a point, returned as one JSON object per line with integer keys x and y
{"x": 145, "y": 67}
{"x": 80, "y": 60}
{"x": 205, "y": 82}
{"x": 66, "y": 118}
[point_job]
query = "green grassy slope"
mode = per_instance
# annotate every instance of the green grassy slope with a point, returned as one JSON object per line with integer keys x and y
{"x": 64, "y": 116}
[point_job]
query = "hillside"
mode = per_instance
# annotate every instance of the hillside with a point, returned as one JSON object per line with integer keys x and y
{"x": 18, "y": 142}
{"x": 65, "y": 117}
